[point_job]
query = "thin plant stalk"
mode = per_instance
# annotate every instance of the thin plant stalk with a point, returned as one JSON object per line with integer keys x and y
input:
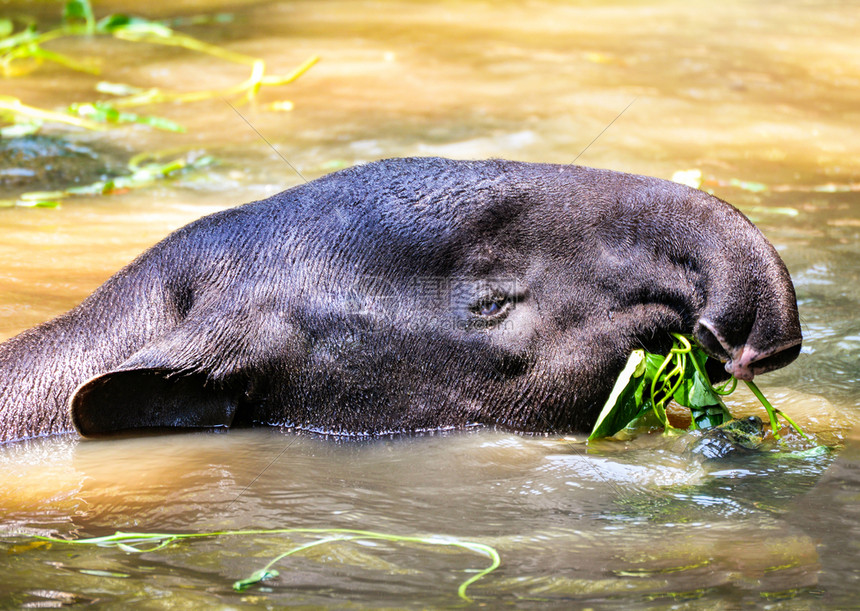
{"x": 128, "y": 542}
{"x": 16, "y": 107}
{"x": 772, "y": 412}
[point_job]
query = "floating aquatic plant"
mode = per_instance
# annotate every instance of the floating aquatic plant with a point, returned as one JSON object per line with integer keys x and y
{"x": 144, "y": 170}
{"x": 132, "y": 542}
{"x": 27, "y": 119}
{"x": 649, "y": 382}
{"x": 23, "y": 51}
{"x": 695, "y": 179}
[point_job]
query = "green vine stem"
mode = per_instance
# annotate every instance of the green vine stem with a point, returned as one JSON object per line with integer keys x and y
{"x": 128, "y": 542}
{"x": 772, "y": 413}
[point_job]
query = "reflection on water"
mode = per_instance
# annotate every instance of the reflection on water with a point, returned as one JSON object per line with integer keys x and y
{"x": 762, "y": 99}
{"x": 643, "y": 520}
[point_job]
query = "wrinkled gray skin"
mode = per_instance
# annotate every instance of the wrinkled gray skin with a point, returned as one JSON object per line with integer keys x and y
{"x": 406, "y": 295}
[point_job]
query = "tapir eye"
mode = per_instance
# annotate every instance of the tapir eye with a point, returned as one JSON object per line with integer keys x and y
{"x": 492, "y": 307}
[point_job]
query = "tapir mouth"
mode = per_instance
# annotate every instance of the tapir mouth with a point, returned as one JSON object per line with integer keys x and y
{"x": 746, "y": 361}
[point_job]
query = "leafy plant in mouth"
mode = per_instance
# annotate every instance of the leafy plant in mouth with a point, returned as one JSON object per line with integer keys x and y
{"x": 649, "y": 382}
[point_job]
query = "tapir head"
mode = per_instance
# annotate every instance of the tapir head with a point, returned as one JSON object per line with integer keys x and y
{"x": 556, "y": 273}
{"x": 417, "y": 294}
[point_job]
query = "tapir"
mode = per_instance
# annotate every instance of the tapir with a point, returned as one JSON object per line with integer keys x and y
{"x": 408, "y": 295}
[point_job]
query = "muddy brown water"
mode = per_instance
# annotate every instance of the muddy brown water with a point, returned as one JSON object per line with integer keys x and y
{"x": 750, "y": 94}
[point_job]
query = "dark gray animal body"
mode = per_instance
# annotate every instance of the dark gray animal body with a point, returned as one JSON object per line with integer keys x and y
{"x": 407, "y": 295}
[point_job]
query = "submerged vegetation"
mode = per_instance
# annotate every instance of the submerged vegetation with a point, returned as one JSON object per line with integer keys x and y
{"x": 144, "y": 170}
{"x": 649, "y": 382}
{"x": 24, "y": 50}
{"x": 130, "y": 543}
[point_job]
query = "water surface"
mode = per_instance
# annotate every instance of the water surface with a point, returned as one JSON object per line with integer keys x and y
{"x": 762, "y": 99}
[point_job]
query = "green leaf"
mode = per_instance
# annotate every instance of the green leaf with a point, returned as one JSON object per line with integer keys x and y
{"x": 625, "y": 401}
{"x": 130, "y": 549}
{"x": 79, "y": 10}
{"x": 807, "y": 454}
{"x": 160, "y": 123}
{"x": 702, "y": 394}
{"x": 652, "y": 364}
{"x": 99, "y": 573}
{"x": 256, "y": 577}
{"x": 97, "y": 188}
{"x": 111, "y": 23}
{"x": 96, "y": 112}
{"x": 6, "y": 27}
{"x": 646, "y": 421}
{"x": 694, "y": 391}
{"x": 136, "y": 26}
{"x": 106, "y": 113}
{"x": 709, "y": 416}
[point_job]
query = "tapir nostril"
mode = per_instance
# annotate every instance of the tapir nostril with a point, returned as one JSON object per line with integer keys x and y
{"x": 747, "y": 362}
{"x": 780, "y": 358}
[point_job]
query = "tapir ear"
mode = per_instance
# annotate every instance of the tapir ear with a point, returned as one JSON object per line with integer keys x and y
{"x": 190, "y": 377}
{"x": 133, "y": 399}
